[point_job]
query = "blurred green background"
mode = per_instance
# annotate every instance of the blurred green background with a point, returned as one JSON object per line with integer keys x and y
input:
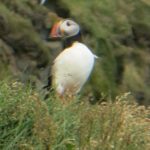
{"x": 118, "y": 31}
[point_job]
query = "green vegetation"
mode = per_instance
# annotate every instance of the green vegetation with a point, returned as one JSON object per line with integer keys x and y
{"x": 28, "y": 122}
{"x": 119, "y": 32}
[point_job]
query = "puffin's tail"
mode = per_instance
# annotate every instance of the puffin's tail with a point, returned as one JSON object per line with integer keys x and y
{"x": 95, "y": 56}
{"x": 49, "y": 83}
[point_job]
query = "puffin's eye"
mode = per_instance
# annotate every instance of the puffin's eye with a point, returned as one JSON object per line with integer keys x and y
{"x": 68, "y": 23}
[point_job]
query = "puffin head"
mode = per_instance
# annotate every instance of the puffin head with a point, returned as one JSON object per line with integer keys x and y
{"x": 65, "y": 29}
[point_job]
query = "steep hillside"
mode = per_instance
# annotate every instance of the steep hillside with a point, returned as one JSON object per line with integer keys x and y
{"x": 117, "y": 31}
{"x": 23, "y": 29}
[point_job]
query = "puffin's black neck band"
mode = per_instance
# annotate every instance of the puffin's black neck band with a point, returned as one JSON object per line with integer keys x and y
{"x": 68, "y": 41}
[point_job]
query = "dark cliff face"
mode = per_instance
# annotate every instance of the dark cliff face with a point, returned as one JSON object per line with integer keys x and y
{"x": 23, "y": 29}
{"x": 118, "y": 32}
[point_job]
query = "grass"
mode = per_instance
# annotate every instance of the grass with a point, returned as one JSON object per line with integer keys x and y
{"x": 29, "y": 122}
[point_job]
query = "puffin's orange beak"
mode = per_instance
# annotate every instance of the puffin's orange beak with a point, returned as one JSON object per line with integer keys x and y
{"x": 55, "y": 32}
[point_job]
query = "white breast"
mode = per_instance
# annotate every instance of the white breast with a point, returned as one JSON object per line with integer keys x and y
{"x": 72, "y": 68}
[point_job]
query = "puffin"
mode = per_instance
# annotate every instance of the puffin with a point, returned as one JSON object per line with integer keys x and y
{"x": 73, "y": 66}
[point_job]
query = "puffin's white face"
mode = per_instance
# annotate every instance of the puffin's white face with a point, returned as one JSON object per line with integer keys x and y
{"x": 65, "y": 28}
